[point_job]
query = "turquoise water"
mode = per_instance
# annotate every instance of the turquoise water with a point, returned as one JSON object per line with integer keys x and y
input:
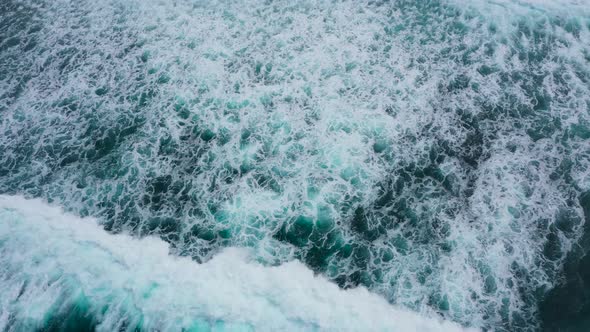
{"x": 436, "y": 153}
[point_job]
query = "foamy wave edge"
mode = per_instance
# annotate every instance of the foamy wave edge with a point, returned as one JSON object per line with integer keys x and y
{"x": 53, "y": 262}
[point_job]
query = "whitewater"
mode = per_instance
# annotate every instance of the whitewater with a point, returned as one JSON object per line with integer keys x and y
{"x": 170, "y": 165}
{"x": 70, "y": 274}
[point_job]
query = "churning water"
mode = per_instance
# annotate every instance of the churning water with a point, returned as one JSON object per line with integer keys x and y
{"x": 308, "y": 165}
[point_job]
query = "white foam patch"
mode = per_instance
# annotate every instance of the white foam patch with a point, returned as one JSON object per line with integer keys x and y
{"x": 42, "y": 247}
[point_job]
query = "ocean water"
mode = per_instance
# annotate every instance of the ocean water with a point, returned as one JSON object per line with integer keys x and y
{"x": 309, "y": 165}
